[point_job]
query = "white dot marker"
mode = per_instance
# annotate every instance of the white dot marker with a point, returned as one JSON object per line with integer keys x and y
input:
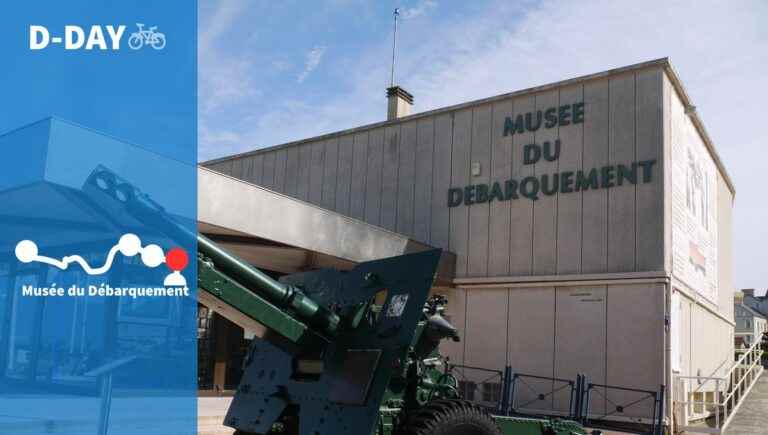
{"x": 152, "y": 255}
{"x": 129, "y": 245}
{"x": 26, "y": 251}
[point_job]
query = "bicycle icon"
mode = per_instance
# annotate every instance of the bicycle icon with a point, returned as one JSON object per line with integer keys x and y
{"x": 149, "y": 37}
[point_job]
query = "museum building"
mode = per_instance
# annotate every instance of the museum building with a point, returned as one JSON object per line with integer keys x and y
{"x": 586, "y": 229}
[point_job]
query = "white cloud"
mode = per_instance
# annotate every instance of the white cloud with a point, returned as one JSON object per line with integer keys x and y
{"x": 313, "y": 59}
{"x": 420, "y": 9}
{"x": 281, "y": 65}
{"x": 228, "y": 82}
{"x": 223, "y": 80}
{"x": 223, "y": 140}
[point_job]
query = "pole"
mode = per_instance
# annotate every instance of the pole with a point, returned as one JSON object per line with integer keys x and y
{"x": 394, "y": 48}
{"x": 106, "y": 403}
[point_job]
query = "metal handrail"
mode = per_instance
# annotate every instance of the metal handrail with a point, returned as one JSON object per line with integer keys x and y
{"x": 737, "y": 386}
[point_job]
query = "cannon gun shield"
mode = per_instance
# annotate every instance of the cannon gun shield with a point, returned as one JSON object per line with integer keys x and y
{"x": 353, "y": 371}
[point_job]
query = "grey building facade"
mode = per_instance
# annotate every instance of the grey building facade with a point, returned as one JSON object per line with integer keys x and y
{"x": 590, "y": 221}
{"x": 750, "y": 325}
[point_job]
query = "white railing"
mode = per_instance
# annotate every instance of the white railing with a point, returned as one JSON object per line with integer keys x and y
{"x": 713, "y": 401}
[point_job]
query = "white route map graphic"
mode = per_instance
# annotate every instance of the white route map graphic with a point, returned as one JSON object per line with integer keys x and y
{"x": 129, "y": 245}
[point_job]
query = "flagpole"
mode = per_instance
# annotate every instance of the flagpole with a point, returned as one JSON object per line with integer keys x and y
{"x": 394, "y": 48}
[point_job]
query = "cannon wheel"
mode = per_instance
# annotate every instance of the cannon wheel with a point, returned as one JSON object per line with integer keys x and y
{"x": 450, "y": 417}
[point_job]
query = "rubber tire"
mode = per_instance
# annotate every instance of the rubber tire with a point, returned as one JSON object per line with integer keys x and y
{"x": 448, "y": 417}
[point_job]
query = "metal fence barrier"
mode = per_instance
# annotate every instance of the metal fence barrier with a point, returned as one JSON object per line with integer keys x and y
{"x": 478, "y": 384}
{"x": 638, "y": 398}
{"x": 538, "y": 392}
{"x": 533, "y": 395}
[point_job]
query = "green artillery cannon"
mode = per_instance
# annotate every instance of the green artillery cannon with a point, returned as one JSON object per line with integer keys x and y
{"x": 340, "y": 353}
{"x": 350, "y": 352}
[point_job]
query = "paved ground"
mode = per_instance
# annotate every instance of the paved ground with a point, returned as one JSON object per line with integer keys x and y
{"x": 211, "y": 411}
{"x": 210, "y": 414}
{"x": 752, "y": 417}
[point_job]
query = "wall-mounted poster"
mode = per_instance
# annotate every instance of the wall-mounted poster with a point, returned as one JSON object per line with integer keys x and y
{"x": 694, "y": 208}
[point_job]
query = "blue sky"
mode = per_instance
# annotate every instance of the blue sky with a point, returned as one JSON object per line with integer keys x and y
{"x": 271, "y": 72}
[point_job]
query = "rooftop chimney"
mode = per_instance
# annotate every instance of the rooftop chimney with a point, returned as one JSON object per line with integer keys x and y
{"x": 399, "y": 103}
{"x": 748, "y": 292}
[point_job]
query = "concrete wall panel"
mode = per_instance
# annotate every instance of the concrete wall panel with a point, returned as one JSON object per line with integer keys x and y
{"x": 268, "y": 177}
{"x": 545, "y": 208}
{"x": 486, "y": 310}
{"x": 594, "y": 254}
{"x": 305, "y": 171}
{"x": 281, "y": 157}
{"x": 580, "y": 332}
{"x": 344, "y": 176}
{"x": 635, "y": 342}
{"x": 531, "y": 344}
{"x": 725, "y": 248}
{"x": 389, "y": 177}
{"x": 237, "y": 169}
{"x": 330, "y": 173}
{"x": 425, "y": 142}
{"x": 521, "y": 210}
{"x": 257, "y": 169}
{"x": 499, "y": 229}
{"x": 477, "y": 256}
{"x": 359, "y": 176}
{"x": 317, "y": 165}
{"x": 441, "y": 181}
{"x": 666, "y": 164}
{"x": 405, "y": 179}
{"x": 711, "y": 342}
{"x": 686, "y": 323}
{"x": 649, "y": 142}
{"x": 373, "y": 185}
{"x": 569, "y": 205}
{"x": 460, "y": 163}
{"x": 292, "y": 171}
{"x": 621, "y": 199}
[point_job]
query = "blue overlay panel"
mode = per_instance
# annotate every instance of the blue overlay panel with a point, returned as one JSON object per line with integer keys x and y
{"x": 98, "y": 130}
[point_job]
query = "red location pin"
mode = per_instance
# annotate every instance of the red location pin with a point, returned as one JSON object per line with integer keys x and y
{"x": 177, "y": 259}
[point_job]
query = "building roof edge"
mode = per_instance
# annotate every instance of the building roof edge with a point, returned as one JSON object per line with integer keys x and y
{"x": 662, "y": 62}
{"x": 694, "y": 114}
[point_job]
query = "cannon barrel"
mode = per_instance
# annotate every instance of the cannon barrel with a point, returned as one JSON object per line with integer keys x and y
{"x": 285, "y": 297}
{"x": 282, "y": 295}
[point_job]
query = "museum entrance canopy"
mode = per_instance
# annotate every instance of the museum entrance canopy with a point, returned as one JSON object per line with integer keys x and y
{"x": 283, "y": 234}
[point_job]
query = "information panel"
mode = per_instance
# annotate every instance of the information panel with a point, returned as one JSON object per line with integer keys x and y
{"x": 694, "y": 208}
